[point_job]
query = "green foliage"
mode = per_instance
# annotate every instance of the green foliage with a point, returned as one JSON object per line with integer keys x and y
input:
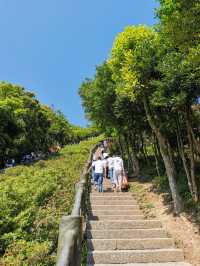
{"x": 84, "y": 253}
{"x": 26, "y": 125}
{"x": 59, "y": 131}
{"x": 80, "y": 133}
{"x": 180, "y": 22}
{"x": 32, "y": 201}
{"x": 98, "y": 97}
{"x": 29, "y": 253}
{"x": 161, "y": 183}
{"x": 132, "y": 59}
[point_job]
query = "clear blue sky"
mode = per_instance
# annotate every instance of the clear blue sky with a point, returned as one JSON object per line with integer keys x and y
{"x": 50, "y": 46}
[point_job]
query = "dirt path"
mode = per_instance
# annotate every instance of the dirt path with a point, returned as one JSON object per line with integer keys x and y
{"x": 185, "y": 233}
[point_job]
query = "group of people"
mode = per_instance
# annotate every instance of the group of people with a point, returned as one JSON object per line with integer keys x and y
{"x": 111, "y": 167}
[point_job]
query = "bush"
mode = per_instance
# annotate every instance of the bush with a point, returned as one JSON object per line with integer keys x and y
{"x": 161, "y": 183}
{"x": 32, "y": 200}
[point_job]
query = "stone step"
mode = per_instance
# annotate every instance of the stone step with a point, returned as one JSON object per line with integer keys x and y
{"x": 126, "y": 234}
{"x": 118, "y": 234}
{"x": 109, "y": 193}
{"x": 114, "y": 207}
{"x": 137, "y": 224}
{"x": 120, "y": 202}
{"x": 135, "y": 256}
{"x": 146, "y": 264}
{"x": 116, "y": 217}
{"x": 130, "y": 244}
{"x": 111, "y": 197}
{"x": 114, "y": 212}
{"x": 107, "y": 188}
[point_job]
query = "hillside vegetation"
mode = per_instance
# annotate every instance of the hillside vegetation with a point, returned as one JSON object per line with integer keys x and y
{"x": 32, "y": 201}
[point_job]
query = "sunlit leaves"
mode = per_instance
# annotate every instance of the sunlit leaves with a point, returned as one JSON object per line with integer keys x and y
{"x": 131, "y": 59}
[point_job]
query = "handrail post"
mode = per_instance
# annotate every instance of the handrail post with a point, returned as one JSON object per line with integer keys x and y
{"x": 79, "y": 192}
{"x": 69, "y": 224}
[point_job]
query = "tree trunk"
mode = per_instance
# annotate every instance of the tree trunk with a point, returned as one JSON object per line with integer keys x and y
{"x": 192, "y": 161}
{"x": 156, "y": 156}
{"x": 136, "y": 167}
{"x": 143, "y": 151}
{"x": 182, "y": 154}
{"x": 165, "y": 150}
{"x": 121, "y": 146}
{"x": 196, "y": 142}
{"x": 130, "y": 162}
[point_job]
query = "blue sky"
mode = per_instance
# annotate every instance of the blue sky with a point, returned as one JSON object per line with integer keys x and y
{"x": 51, "y": 46}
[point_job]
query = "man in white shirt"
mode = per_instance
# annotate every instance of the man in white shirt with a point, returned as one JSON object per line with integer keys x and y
{"x": 99, "y": 170}
{"x": 118, "y": 173}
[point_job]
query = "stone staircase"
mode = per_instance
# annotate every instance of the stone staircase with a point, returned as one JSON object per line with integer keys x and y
{"x": 118, "y": 234}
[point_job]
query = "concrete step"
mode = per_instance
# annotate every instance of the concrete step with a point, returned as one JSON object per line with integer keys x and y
{"x": 146, "y": 264}
{"x": 119, "y": 202}
{"x": 107, "y": 188}
{"x": 137, "y": 224}
{"x": 135, "y": 256}
{"x": 126, "y": 234}
{"x": 116, "y": 217}
{"x": 111, "y": 197}
{"x": 118, "y": 234}
{"x": 114, "y": 212}
{"x": 109, "y": 193}
{"x": 114, "y": 207}
{"x": 130, "y": 244}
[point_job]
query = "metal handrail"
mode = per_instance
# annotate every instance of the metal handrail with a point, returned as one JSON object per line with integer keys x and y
{"x": 71, "y": 226}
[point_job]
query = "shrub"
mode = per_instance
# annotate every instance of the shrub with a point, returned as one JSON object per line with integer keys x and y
{"x": 32, "y": 200}
{"x": 161, "y": 183}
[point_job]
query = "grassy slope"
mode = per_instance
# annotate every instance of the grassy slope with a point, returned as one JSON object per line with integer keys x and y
{"x": 32, "y": 200}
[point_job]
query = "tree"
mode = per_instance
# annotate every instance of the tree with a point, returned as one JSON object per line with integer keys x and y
{"x": 26, "y": 125}
{"x": 134, "y": 60}
{"x": 115, "y": 115}
{"x": 179, "y": 27}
